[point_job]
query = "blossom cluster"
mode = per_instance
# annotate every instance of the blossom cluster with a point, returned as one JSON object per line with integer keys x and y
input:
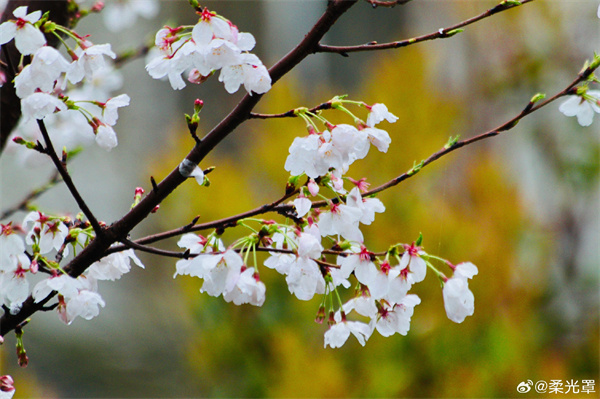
{"x": 214, "y": 43}
{"x": 42, "y": 85}
{"x": 381, "y": 299}
{"x": 36, "y": 248}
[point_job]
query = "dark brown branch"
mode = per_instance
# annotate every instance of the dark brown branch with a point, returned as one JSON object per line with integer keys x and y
{"x": 440, "y": 34}
{"x": 61, "y": 168}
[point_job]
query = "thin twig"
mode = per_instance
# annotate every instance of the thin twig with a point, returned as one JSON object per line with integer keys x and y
{"x": 440, "y": 34}
{"x": 291, "y": 113}
{"x": 155, "y": 251}
{"x": 61, "y": 168}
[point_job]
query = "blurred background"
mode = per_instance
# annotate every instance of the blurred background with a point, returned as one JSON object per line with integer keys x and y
{"x": 523, "y": 206}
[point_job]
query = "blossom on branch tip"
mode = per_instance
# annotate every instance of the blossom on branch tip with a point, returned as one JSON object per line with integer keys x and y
{"x": 582, "y": 106}
{"x": 28, "y": 38}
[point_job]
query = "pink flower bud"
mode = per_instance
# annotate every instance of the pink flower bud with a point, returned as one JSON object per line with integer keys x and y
{"x": 313, "y": 187}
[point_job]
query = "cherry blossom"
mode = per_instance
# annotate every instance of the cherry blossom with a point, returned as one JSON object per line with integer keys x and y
{"x": 360, "y": 264}
{"x": 221, "y": 272}
{"x": 44, "y": 70}
{"x": 458, "y": 299}
{"x": 11, "y": 245}
{"x": 379, "y": 112}
{"x": 214, "y": 44}
{"x": 341, "y": 219}
{"x": 89, "y": 60}
{"x": 396, "y": 318}
{"x": 338, "y": 333}
{"x": 249, "y": 71}
{"x": 14, "y": 287}
{"x": 109, "y": 111}
{"x": 64, "y": 284}
{"x": 414, "y": 262}
{"x": 379, "y": 138}
{"x": 304, "y": 277}
{"x": 248, "y": 289}
{"x": 39, "y": 105}
{"x": 582, "y": 106}
{"x": 367, "y": 206}
{"x": 47, "y": 232}
{"x": 113, "y": 266}
{"x": 106, "y": 137}
{"x": 86, "y": 304}
{"x": 302, "y": 205}
{"x": 28, "y": 38}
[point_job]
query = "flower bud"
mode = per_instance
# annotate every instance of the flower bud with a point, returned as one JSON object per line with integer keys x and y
{"x": 320, "y": 315}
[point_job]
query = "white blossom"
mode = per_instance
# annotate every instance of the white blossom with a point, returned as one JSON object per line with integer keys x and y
{"x": 367, "y": 206}
{"x": 27, "y": 37}
{"x": 414, "y": 262}
{"x": 39, "y": 105}
{"x": 379, "y": 112}
{"x": 109, "y": 112}
{"x": 106, "y": 137}
{"x": 86, "y": 304}
{"x": 113, "y": 266}
{"x": 90, "y": 60}
{"x": 338, "y": 333}
{"x": 221, "y": 272}
{"x": 459, "y": 301}
{"x": 248, "y": 289}
{"x": 396, "y": 318}
{"x": 582, "y": 106}
{"x": 44, "y": 70}
{"x": 343, "y": 220}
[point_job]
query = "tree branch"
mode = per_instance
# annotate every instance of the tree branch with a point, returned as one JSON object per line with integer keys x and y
{"x": 121, "y": 228}
{"x": 440, "y": 34}
{"x": 61, "y": 168}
